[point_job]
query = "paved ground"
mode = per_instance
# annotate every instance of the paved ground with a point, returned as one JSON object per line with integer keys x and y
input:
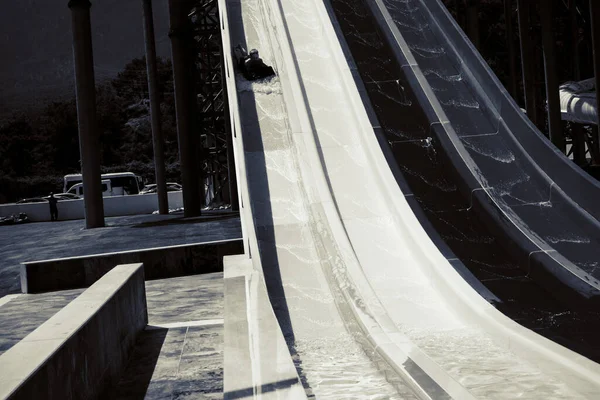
{"x": 185, "y": 299}
{"x": 47, "y": 240}
{"x": 180, "y": 355}
{"x": 21, "y": 315}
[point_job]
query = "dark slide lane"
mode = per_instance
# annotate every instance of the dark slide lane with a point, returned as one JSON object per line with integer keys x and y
{"x": 438, "y": 189}
{"x": 475, "y": 111}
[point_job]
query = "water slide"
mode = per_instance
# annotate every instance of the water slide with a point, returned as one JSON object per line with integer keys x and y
{"x": 370, "y": 302}
{"x": 578, "y": 102}
{"x": 516, "y": 212}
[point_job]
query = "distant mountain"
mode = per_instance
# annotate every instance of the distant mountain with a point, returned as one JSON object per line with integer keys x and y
{"x": 36, "y": 49}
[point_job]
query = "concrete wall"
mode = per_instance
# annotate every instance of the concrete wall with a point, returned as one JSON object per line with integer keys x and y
{"x": 162, "y": 262}
{"x": 113, "y": 207}
{"x": 83, "y": 349}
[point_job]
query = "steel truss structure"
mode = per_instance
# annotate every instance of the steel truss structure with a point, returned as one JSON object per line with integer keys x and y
{"x": 211, "y": 100}
{"x": 533, "y": 29}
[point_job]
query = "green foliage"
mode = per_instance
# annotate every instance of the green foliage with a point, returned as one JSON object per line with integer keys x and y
{"x": 37, "y": 150}
{"x": 16, "y": 147}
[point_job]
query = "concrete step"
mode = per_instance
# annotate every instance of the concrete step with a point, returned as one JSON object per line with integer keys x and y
{"x": 82, "y": 348}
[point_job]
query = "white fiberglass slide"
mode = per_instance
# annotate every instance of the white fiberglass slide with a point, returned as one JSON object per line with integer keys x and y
{"x": 353, "y": 279}
{"x": 278, "y": 231}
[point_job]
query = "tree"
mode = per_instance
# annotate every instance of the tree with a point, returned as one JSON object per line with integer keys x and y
{"x": 37, "y": 149}
{"x": 16, "y": 147}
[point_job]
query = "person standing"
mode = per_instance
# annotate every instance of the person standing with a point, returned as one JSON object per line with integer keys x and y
{"x": 53, "y": 207}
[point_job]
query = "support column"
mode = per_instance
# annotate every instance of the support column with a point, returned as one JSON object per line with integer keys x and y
{"x": 526, "y": 58}
{"x": 577, "y": 133}
{"x": 157, "y": 139}
{"x": 473, "y": 22}
{"x": 553, "y": 98}
{"x": 510, "y": 43}
{"x": 595, "y": 18}
{"x": 185, "y": 106}
{"x": 85, "y": 90}
{"x": 594, "y": 145}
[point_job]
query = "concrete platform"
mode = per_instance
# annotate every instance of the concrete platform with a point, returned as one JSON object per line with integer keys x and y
{"x": 159, "y": 263}
{"x": 170, "y": 302}
{"x": 48, "y": 240}
{"x": 83, "y": 348}
{"x": 25, "y": 312}
{"x": 179, "y": 355}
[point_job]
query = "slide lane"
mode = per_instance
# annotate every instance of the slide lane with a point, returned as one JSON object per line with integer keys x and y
{"x": 476, "y": 227}
{"x": 362, "y": 294}
{"x": 510, "y": 159}
{"x": 326, "y": 349}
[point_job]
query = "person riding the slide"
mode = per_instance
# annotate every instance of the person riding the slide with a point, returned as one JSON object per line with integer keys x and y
{"x": 251, "y": 65}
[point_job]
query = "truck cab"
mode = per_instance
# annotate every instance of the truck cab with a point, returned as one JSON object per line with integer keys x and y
{"x": 107, "y": 190}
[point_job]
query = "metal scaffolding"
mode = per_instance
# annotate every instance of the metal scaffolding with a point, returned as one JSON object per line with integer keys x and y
{"x": 539, "y": 26}
{"x": 211, "y": 100}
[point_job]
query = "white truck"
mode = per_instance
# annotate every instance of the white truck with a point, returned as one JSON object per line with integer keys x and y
{"x": 106, "y": 189}
{"x": 113, "y": 184}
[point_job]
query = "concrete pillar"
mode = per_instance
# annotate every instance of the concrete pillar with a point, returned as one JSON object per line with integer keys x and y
{"x": 473, "y": 22}
{"x": 527, "y": 58}
{"x": 85, "y": 90}
{"x": 185, "y": 106}
{"x": 575, "y": 39}
{"x": 553, "y": 98}
{"x": 157, "y": 139}
{"x": 510, "y": 44}
{"x": 577, "y": 133}
{"x": 595, "y": 18}
{"x": 594, "y": 145}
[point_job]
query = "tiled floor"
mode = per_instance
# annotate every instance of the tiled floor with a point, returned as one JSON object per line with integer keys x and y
{"x": 185, "y": 299}
{"x": 185, "y": 361}
{"x": 176, "y": 363}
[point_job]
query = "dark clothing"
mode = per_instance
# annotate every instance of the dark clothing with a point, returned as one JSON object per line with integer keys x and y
{"x": 255, "y": 69}
{"x": 53, "y": 208}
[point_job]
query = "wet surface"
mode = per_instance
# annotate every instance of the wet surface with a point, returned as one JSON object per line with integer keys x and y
{"x": 436, "y": 185}
{"x": 511, "y": 177}
{"x": 49, "y": 240}
{"x": 328, "y": 359}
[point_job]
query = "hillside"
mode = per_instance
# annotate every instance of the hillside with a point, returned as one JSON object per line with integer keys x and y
{"x": 38, "y": 148}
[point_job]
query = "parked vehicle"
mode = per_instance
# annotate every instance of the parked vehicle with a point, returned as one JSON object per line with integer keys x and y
{"x": 32, "y": 200}
{"x": 107, "y": 190}
{"x": 121, "y": 183}
{"x": 171, "y": 187}
{"x": 64, "y": 196}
